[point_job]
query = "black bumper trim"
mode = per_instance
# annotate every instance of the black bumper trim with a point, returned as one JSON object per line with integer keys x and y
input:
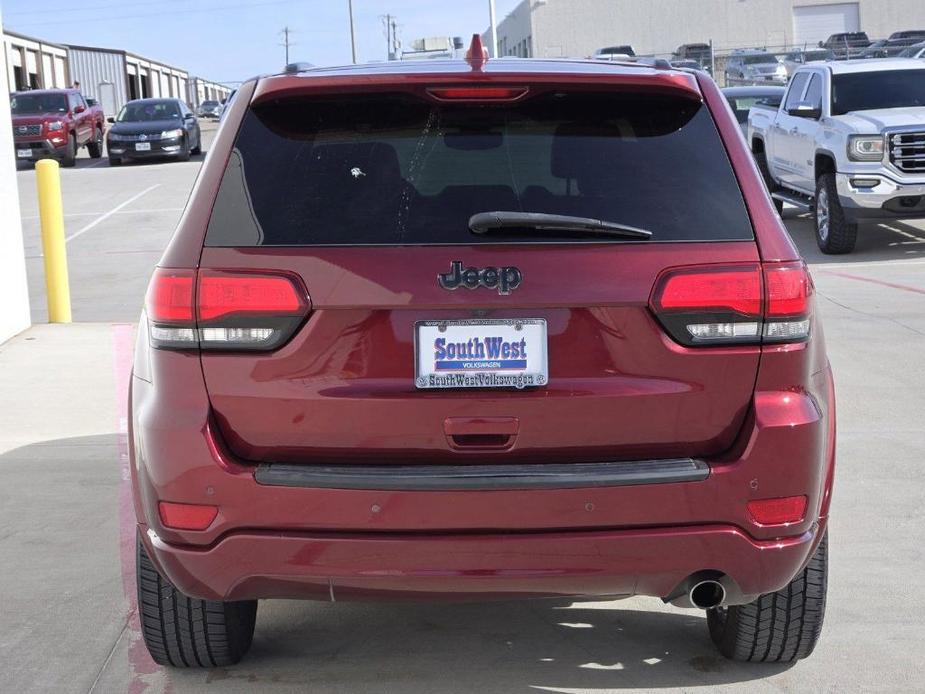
{"x": 482, "y": 477}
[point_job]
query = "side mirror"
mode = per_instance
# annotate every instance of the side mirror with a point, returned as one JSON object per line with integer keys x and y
{"x": 805, "y": 110}
{"x": 821, "y": 44}
{"x": 110, "y": 120}
{"x": 80, "y": 108}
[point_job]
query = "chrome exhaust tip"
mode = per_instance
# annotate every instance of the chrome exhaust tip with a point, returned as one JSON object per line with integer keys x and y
{"x": 707, "y": 594}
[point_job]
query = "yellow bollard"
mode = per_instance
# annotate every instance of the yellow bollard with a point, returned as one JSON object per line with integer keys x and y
{"x": 48, "y": 180}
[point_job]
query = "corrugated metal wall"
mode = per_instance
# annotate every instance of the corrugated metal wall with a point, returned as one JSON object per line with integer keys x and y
{"x": 95, "y": 68}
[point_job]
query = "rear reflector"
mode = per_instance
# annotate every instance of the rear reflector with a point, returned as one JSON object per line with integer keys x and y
{"x": 186, "y": 516}
{"x": 215, "y": 309}
{"x": 781, "y": 511}
{"x": 477, "y": 93}
{"x": 727, "y": 304}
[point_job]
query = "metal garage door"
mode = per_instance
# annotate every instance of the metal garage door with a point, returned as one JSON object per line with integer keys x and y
{"x": 816, "y": 23}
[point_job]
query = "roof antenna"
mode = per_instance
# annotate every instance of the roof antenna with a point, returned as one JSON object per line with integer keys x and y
{"x": 477, "y": 54}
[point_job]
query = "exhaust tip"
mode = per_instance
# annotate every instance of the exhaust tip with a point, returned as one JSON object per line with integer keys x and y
{"x": 707, "y": 594}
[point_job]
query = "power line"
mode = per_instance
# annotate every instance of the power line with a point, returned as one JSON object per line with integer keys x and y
{"x": 213, "y": 8}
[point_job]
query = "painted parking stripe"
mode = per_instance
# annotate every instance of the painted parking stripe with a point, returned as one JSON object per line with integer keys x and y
{"x": 107, "y": 215}
{"x": 882, "y": 283}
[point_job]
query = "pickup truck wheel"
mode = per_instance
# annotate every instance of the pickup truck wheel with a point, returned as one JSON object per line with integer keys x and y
{"x": 70, "y": 154}
{"x": 778, "y": 627}
{"x": 834, "y": 234}
{"x": 95, "y": 146}
{"x": 761, "y": 160}
{"x": 186, "y": 632}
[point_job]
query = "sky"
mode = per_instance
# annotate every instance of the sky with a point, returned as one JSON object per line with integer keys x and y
{"x": 232, "y": 40}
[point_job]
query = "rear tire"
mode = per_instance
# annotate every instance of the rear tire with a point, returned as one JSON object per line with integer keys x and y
{"x": 70, "y": 154}
{"x": 778, "y": 627}
{"x": 834, "y": 233}
{"x": 761, "y": 159}
{"x": 95, "y": 146}
{"x": 180, "y": 631}
{"x": 114, "y": 161}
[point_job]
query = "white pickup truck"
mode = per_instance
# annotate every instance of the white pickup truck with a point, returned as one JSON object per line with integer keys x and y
{"x": 848, "y": 143}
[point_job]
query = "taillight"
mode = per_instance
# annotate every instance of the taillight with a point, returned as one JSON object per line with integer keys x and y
{"x": 478, "y": 93}
{"x": 224, "y": 310}
{"x": 734, "y": 304}
{"x": 186, "y": 516}
{"x": 780, "y": 511}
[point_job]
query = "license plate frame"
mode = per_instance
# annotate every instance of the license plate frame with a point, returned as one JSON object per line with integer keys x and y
{"x": 509, "y": 369}
{"x": 24, "y": 153}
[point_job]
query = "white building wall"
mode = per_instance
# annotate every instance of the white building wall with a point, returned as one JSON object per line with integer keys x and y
{"x": 576, "y": 28}
{"x": 14, "y": 309}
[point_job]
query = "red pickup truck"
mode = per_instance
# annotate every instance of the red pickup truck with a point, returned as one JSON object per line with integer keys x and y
{"x": 55, "y": 123}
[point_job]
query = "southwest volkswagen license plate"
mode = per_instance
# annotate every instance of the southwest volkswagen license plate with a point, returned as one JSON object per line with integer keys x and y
{"x": 497, "y": 353}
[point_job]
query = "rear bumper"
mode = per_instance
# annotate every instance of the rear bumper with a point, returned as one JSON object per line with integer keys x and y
{"x": 653, "y": 562}
{"x": 640, "y": 539}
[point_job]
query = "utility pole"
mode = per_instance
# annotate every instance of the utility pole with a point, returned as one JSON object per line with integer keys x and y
{"x": 493, "y": 46}
{"x": 353, "y": 41}
{"x": 286, "y": 42}
{"x": 387, "y": 21}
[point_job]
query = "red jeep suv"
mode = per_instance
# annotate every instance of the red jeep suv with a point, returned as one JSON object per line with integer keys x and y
{"x": 481, "y": 329}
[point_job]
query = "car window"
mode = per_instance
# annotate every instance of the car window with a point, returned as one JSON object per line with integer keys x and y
{"x": 866, "y": 91}
{"x": 396, "y": 169}
{"x": 814, "y": 91}
{"x": 26, "y": 104}
{"x": 137, "y": 112}
{"x": 759, "y": 59}
{"x": 795, "y": 93}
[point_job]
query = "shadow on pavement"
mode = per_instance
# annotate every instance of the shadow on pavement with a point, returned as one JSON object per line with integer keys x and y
{"x": 506, "y": 646}
{"x": 887, "y": 240}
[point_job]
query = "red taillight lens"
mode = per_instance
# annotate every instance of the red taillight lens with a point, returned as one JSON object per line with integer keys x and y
{"x": 186, "y": 516}
{"x": 223, "y": 310}
{"x": 170, "y": 296}
{"x": 477, "y": 93}
{"x": 708, "y": 289}
{"x": 781, "y": 511}
{"x": 789, "y": 288}
{"x": 225, "y": 294}
{"x": 722, "y": 304}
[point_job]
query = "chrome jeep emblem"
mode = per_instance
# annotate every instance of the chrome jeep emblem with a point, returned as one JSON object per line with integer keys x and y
{"x": 505, "y": 279}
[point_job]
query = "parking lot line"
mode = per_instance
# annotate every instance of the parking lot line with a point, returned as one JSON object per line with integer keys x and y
{"x": 882, "y": 283}
{"x": 111, "y": 212}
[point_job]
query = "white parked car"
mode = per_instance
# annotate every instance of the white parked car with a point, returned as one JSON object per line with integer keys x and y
{"x": 754, "y": 66}
{"x": 848, "y": 142}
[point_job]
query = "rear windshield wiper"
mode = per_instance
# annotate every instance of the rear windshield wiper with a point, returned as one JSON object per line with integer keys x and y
{"x": 488, "y": 222}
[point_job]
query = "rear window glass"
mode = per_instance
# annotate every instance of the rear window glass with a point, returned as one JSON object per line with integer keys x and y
{"x": 395, "y": 169}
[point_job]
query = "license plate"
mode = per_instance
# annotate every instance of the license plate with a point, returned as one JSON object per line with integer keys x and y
{"x": 495, "y": 353}
{"x": 24, "y": 153}
{"x": 142, "y": 146}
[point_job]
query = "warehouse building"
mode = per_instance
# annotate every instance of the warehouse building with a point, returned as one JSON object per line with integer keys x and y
{"x": 113, "y": 76}
{"x": 34, "y": 64}
{"x": 577, "y": 28}
{"x": 203, "y": 90}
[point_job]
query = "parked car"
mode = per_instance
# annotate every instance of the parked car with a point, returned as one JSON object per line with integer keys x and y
{"x": 688, "y": 65}
{"x": 754, "y": 66}
{"x": 848, "y": 142}
{"x": 795, "y": 59}
{"x": 916, "y": 50}
{"x": 918, "y": 34}
{"x": 209, "y": 109}
{"x": 624, "y": 52}
{"x": 701, "y": 52}
{"x": 362, "y": 374}
{"x": 153, "y": 128}
{"x": 743, "y": 99}
{"x": 847, "y": 44}
{"x": 55, "y": 124}
{"x": 887, "y": 49}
